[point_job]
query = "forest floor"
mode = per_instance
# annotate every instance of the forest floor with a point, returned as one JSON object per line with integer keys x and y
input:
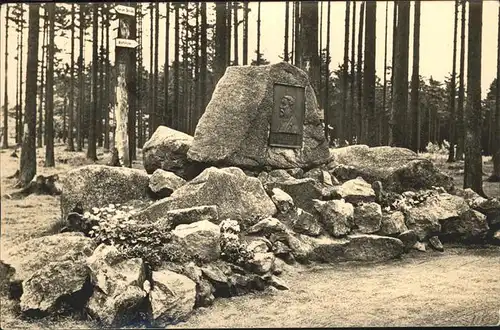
{"x": 456, "y": 287}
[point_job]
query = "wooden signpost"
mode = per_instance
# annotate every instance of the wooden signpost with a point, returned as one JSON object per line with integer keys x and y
{"x": 124, "y": 55}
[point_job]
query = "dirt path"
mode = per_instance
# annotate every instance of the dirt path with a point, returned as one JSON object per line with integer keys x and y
{"x": 457, "y": 287}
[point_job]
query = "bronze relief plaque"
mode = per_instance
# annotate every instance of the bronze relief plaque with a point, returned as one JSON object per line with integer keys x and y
{"x": 287, "y": 120}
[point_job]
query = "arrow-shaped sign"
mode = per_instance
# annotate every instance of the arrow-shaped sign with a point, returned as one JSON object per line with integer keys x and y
{"x": 126, "y": 43}
{"x": 125, "y": 10}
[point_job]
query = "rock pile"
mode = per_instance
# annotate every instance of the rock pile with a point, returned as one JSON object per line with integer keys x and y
{"x": 152, "y": 245}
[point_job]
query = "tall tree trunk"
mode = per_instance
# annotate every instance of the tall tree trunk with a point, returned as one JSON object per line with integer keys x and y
{"x": 258, "y": 34}
{"x": 71, "y": 144}
{"x": 309, "y": 34}
{"x": 473, "y": 170}
{"x": 5, "y": 133}
{"x": 460, "y": 130}
{"x": 100, "y": 103}
{"x": 293, "y": 35}
{"x": 176, "y": 116}
{"x": 327, "y": 77}
{"x": 495, "y": 176}
{"x": 156, "y": 81}
{"x": 21, "y": 66}
{"x": 229, "y": 7}
{"x": 452, "y": 120}
{"x": 352, "y": 80}
{"x": 140, "y": 72}
{"x": 359, "y": 75}
{"x": 27, "y": 168}
{"x": 131, "y": 77}
{"x": 18, "y": 109}
{"x": 49, "y": 115}
{"x": 245, "y": 32}
{"x": 220, "y": 40}
{"x": 151, "y": 124}
{"x": 204, "y": 59}
{"x": 369, "y": 74}
{"x": 185, "y": 77}
{"x": 400, "y": 90}
{"x": 39, "y": 132}
{"x": 107, "y": 84}
{"x": 81, "y": 76}
{"x": 235, "y": 33}
{"x": 298, "y": 25}
{"x": 287, "y": 15}
{"x": 384, "y": 96}
{"x": 415, "y": 81}
{"x": 320, "y": 86}
{"x": 392, "y": 119}
{"x": 167, "y": 117}
{"x": 343, "y": 123}
{"x": 91, "y": 148}
{"x": 64, "y": 114}
{"x": 197, "y": 82}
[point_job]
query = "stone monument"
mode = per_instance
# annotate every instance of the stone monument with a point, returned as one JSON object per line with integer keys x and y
{"x": 262, "y": 116}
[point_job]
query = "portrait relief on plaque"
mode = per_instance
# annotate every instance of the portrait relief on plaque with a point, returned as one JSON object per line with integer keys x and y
{"x": 288, "y": 116}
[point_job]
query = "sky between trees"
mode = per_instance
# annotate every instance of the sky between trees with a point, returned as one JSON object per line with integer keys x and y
{"x": 436, "y": 41}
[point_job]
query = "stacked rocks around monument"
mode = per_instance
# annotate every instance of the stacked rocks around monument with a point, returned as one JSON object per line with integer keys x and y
{"x": 151, "y": 248}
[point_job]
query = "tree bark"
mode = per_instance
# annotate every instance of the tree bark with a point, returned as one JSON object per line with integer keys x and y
{"x": 309, "y": 35}
{"x": 91, "y": 148}
{"x": 495, "y": 176}
{"x": 236, "y": 37}
{"x": 81, "y": 76}
{"x": 176, "y": 116}
{"x": 400, "y": 103}
{"x": 343, "y": 122}
{"x": 415, "y": 81}
{"x": 473, "y": 170}
{"x": 451, "y": 129}
{"x": 27, "y": 168}
{"x": 369, "y": 74}
{"x": 21, "y": 44}
{"x": 352, "y": 78}
{"x": 167, "y": 117}
{"x": 204, "y": 59}
{"x": 384, "y": 96}
{"x": 393, "y": 61}
{"x": 287, "y": 15}
{"x": 359, "y": 75}
{"x": 5, "y": 133}
{"x": 245, "y": 32}
{"x": 229, "y": 8}
{"x": 327, "y": 77}
{"x": 258, "y": 34}
{"x": 39, "y": 133}
{"x": 155, "y": 66}
{"x": 49, "y": 115}
{"x": 71, "y": 144}
{"x": 460, "y": 130}
{"x": 298, "y": 25}
{"x": 220, "y": 40}
{"x": 107, "y": 87}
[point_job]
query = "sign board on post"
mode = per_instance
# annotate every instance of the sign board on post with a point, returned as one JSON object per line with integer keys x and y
{"x": 125, "y": 10}
{"x": 126, "y": 43}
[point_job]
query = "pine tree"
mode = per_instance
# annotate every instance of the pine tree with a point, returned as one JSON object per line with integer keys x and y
{"x": 384, "y": 95}
{"x": 473, "y": 170}
{"x": 344, "y": 134}
{"x": 359, "y": 75}
{"x": 91, "y": 148}
{"x": 27, "y": 169}
{"x": 39, "y": 133}
{"x": 495, "y": 176}
{"x": 369, "y": 74}
{"x": 287, "y": 15}
{"x": 258, "y": 34}
{"x": 5, "y": 133}
{"x": 49, "y": 115}
{"x": 451, "y": 153}
{"x": 400, "y": 91}
{"x": 245, "y": 32}
{"x": 460, "y": 131}
{"x": 71, "y": 144}
{"x": 327, "y": 77}
{"x": 415, "y": 81}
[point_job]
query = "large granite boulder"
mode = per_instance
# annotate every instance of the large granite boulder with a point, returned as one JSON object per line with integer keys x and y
{"x": 166, "y": 149}
{"x": 399, "y": 169}
{"x": 200, "y": 239}
{"x": 172, "y": 297}
{"x": 99, "y": 185}
{"x": 236, "y": 196}
{"x": 31, "y": 255}
{"x": 118, "y": 286}
{"x": 53, "y": 283}
{"x": 235, "y": 128}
